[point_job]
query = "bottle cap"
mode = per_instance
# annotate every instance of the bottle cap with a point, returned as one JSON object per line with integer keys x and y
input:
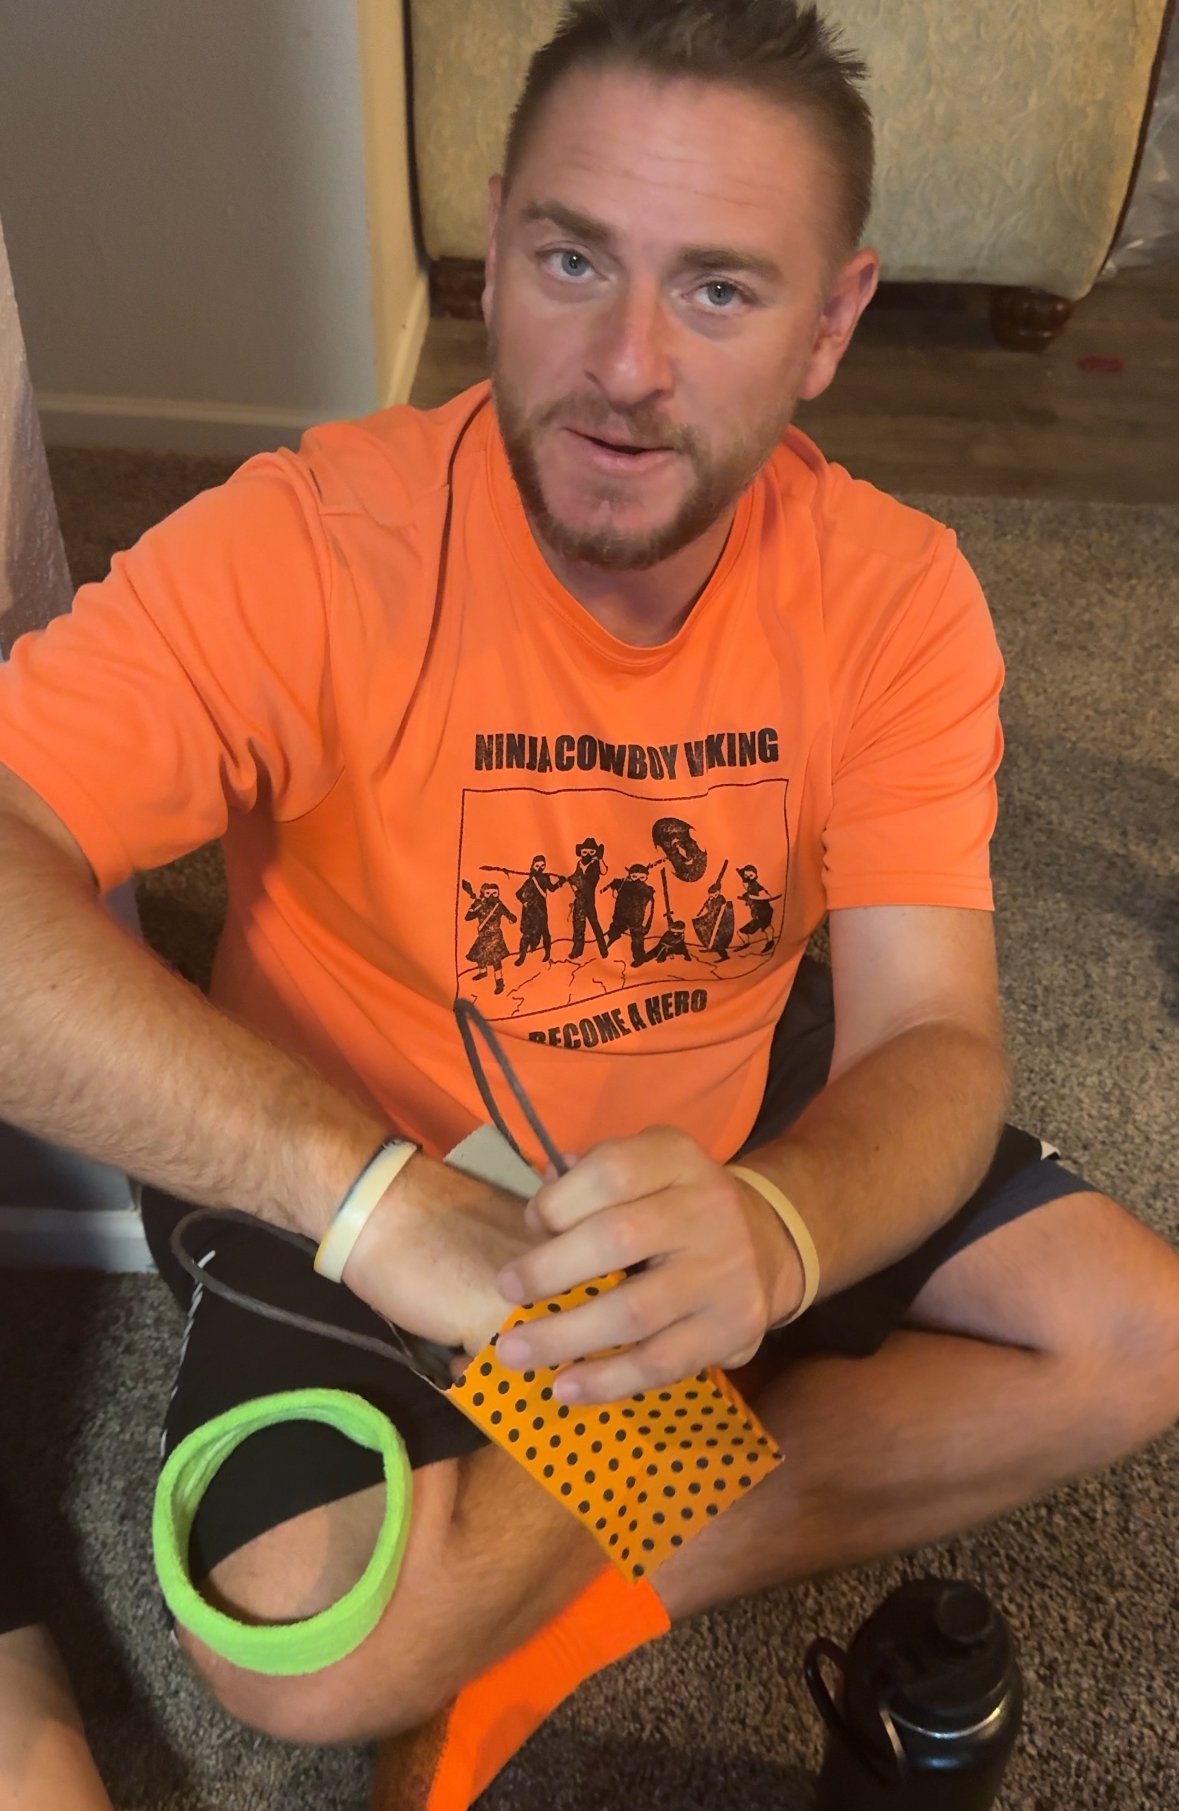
{"x": 937, "y": 1654}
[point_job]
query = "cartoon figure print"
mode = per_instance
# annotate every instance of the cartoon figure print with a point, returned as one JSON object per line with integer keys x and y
{"x": 761, "y": 909}
{"x": 714, "y": 922}
{"x": 676, "y": 904}
{"x": 634, "y": 907}
{"x": 535, "y": 932}
{"x": 671, "y": 939}
{"x": 489, "y": 951}
{"x": 585, "y": 881}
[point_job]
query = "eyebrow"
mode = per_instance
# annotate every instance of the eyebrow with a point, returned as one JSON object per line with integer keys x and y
{"x": 692, "y": 257}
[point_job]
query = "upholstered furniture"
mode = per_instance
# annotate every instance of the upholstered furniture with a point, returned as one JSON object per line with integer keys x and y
{"x": 1008, "y": 135}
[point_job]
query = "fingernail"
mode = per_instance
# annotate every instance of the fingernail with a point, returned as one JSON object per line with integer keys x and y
{"x": 514, "y": 1350}
{"x": 567, "y": 1389}
{"x": 508, "y": 1284}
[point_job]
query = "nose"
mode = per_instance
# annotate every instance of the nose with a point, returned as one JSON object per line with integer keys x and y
{"x": 630, "y": 356}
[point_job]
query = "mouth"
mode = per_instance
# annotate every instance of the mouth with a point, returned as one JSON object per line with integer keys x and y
{"x": 618, "y": 455}
{"x": 621, "y": 446}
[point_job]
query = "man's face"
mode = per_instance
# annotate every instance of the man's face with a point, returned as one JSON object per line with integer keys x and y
{"x": 658, "y": 300}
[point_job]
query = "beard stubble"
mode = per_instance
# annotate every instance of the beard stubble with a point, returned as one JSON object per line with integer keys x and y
{"x": 719, "y": 478}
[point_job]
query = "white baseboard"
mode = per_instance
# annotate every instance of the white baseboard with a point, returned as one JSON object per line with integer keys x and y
{"x": 73, "y": 1238}
{"x": 61, "y": 1211}
{"x": 158, "y": 424}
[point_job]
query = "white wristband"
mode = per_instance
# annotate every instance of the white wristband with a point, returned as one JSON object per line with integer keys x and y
{"x": 355, "y": 1210}
{"x": 797, "y": 1230}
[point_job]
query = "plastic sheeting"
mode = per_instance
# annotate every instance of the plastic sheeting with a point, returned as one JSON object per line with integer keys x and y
{"x": 1150, "y": 234}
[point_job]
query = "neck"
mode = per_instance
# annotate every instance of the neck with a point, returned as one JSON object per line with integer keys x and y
{"x": 643, "y": 609}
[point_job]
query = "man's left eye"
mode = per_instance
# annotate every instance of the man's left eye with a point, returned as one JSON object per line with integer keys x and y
{"x": 720, "y": 293}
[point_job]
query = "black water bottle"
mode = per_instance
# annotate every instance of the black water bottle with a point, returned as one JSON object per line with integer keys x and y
{"x": 928, "y": 1705}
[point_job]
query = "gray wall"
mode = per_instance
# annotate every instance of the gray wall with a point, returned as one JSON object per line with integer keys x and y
{"x": 183, "y": 192}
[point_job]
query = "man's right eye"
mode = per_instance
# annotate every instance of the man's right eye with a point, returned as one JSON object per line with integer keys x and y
{"x": 567, "y": 263}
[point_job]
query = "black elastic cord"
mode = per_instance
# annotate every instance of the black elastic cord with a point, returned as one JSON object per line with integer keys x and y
{"x": 469, "y": 1016}
{"x": 426, "y": 1358}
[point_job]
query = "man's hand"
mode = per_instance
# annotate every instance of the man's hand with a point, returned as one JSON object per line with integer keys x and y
{"x": 718, "y": 1268}
{"x": 429, "y": 1255}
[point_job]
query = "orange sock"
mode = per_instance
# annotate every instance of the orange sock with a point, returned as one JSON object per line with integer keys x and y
{"x": 445, "y": 1766}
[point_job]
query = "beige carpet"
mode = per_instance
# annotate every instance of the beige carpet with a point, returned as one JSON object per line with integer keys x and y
{"x": 1086, "y": 598}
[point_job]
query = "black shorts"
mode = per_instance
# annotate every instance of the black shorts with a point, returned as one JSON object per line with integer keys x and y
{"x": 229, "y": 1355}
{"x": 19, "y": 1604}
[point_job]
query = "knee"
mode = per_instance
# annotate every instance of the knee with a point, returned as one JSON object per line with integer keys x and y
{"x": 350, "y": 1702}
{"x": 399, "y": 1676}
{"x": 1154, "y": 1349}
{"x": 1131, "y": 1339}
{"x": 290, "y": 1710}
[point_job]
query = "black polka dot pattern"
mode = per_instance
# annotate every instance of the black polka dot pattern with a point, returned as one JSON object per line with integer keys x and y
{"x": 691, "y": 1449}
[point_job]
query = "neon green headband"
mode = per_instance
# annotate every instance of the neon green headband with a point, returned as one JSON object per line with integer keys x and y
{"x": 282, "y": 1649}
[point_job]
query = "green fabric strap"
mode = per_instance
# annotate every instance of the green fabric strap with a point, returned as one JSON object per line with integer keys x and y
{"x": 282, "y": 1649}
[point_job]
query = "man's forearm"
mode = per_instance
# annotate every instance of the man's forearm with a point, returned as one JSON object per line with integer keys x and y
{"x": 104, "y": 1050}
{"x": 891, "y": 1148}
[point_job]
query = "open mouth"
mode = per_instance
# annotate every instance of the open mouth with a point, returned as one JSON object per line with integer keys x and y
{"x": 623, "y": 446}
{"x": 619, "y": 454}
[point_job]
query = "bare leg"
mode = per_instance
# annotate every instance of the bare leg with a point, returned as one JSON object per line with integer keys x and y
{"x": 44, "y": 1759}
{"x": 941, "y": 1430}
{"x": 864, "y": 1478}
{"x": 949, "y": 1427}
{"x": 1045, "y": 1351}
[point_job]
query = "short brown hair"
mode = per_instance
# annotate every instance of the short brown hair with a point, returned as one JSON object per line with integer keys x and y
{"x": 774, "y": 48}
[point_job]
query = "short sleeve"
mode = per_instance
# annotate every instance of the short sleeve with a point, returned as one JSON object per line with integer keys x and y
{"x": 193, "y": 682}
{"x": 915, "y": 756}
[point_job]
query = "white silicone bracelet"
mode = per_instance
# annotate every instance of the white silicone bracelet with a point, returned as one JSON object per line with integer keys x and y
{"x": 355, "y": 1210}
{"x": 798, "y": 1230}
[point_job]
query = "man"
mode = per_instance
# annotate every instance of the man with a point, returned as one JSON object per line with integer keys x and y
{"x": 674, "y": 262}
{"x": 534, "y": 909}
{"x": 489, "y": 949}
{"x": 715, "y": 920}
{"x": 761, "y": 909}
{"x": 584, "y": 882}
{"x": 634, "y": 905}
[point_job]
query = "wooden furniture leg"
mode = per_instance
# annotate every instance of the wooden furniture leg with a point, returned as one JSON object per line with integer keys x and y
{"x": 1028, "y": 320}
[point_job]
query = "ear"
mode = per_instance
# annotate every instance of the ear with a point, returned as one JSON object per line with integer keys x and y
{"x": 495, "y": 195}
{"x": 853, "y": 287}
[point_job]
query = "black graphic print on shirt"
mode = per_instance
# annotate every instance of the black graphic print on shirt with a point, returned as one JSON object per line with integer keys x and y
{"x": 571, "y": 896}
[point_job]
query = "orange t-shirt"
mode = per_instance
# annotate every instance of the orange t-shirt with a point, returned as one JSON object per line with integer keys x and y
{"x": 436, "y": 775}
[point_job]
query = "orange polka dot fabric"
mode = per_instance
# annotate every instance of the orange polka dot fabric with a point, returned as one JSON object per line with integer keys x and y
{"x": 643, "y": 1475}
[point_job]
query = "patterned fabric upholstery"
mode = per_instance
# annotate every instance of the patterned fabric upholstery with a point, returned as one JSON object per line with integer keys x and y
{"x": 1007, "y": 133}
